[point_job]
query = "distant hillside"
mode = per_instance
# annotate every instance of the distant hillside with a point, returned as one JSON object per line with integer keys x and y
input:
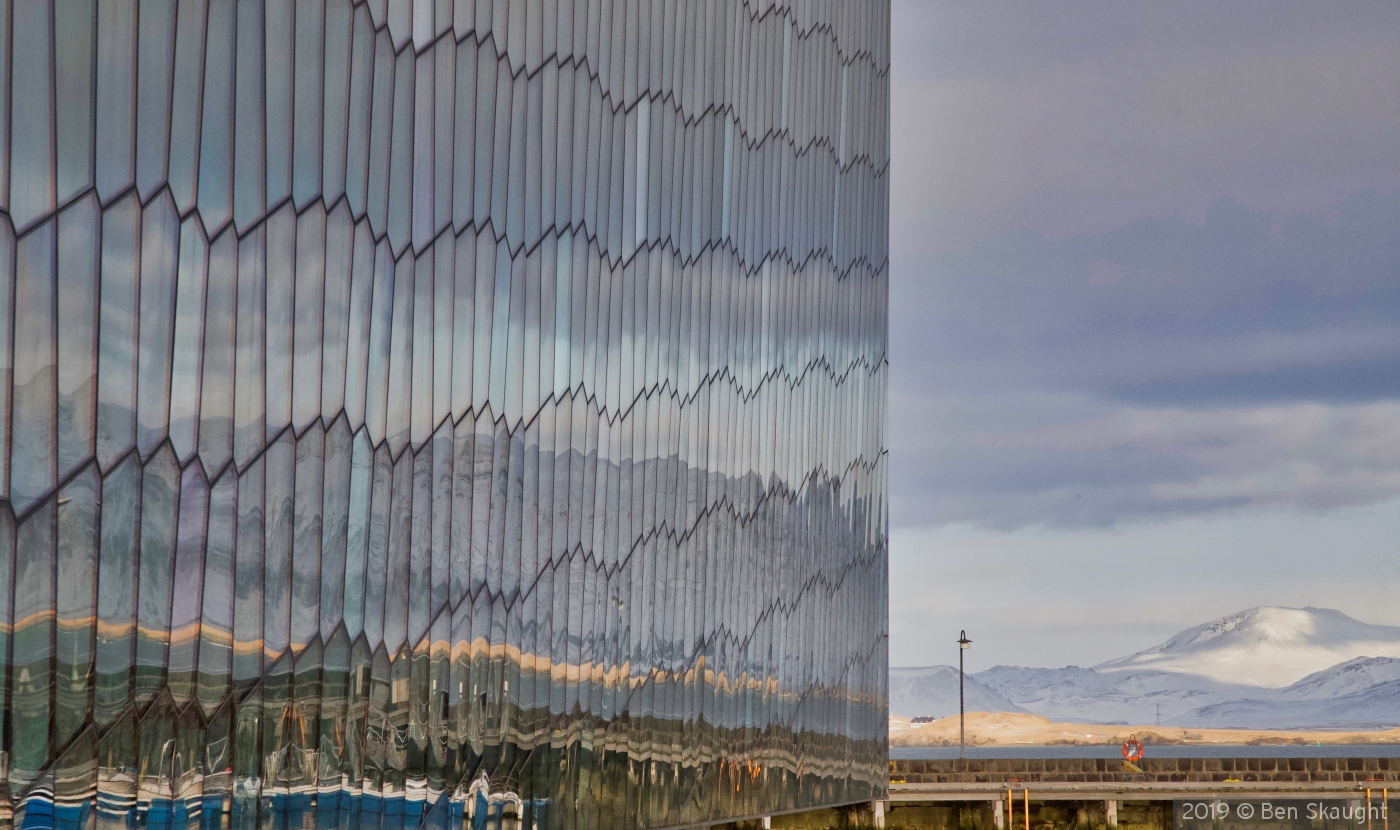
{"x": 1259, "y": 668}
{"x": 1345, "y": 678}
{"x": 1375, "y": 708}
{"x": 1076, "y": 695}
{"x": 932, "y": 691}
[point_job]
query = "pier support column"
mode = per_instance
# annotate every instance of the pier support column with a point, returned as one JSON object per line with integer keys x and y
{"x": 877, "y": 810}
{"x": 999, "y": 814}
{"x": 1110, "y": 811}
{"x": 767, "y": 822}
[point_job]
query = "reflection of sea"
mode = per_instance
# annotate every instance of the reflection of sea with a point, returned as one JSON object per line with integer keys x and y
{"x": 477, "y": 806}
{"x": 918, "y": 753}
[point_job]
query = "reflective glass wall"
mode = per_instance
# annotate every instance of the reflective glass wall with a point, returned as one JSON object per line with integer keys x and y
{"x": 431, "y": 412}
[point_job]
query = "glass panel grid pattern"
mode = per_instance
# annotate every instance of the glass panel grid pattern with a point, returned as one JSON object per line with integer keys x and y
{"x": 420, "y": 412}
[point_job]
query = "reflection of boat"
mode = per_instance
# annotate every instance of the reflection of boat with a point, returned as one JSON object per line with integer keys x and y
{"x": 478, "y": 807}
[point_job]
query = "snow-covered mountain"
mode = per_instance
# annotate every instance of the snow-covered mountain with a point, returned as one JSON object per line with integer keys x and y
{"x": 1077, "y": 695}
{"x": 1344, "y": 678}
{"x": 932, "y": 691}
{"x": 1377, "y": 707}
{"x": 1268, "y": 647}
{"x": 1263, "y": 668}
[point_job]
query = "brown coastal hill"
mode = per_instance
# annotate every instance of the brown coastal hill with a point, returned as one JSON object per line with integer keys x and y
{"x": 1017, "y": 729}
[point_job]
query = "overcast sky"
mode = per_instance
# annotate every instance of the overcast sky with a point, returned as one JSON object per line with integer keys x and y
{"x": 1145, "y": 321}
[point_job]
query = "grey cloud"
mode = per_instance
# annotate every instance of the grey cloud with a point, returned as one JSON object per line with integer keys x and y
{"x": 1072, "y": 118}
{"x": 1108, "y": 213}
{"x": 1344, "y": 382}
{"x": 1134, "y": 464}
{"x": 1163, "y": 305}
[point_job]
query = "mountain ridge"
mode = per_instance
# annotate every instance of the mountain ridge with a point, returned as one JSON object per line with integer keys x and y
{"x": 1268, "y": 646}
{"x": 1257, "y": 668}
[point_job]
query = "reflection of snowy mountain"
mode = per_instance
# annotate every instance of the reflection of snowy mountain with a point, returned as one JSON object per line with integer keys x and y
{"x": 932, "y": 691}
{"x": 1261, "y": 668}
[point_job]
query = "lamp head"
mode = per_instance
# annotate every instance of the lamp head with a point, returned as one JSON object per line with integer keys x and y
{"x": 963, "y": 642}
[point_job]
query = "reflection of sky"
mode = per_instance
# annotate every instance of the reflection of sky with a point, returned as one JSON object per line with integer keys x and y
{"x": 1145, "y": 321}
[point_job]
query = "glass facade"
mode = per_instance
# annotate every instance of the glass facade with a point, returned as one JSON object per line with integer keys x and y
{"x": 419, "y": 412}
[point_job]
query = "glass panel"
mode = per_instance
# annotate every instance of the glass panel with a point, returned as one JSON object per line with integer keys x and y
{"x": 357, "y": 534}
{"x": 248, "y": 580}
{"x": 77, "y": 332}
{"x": 445, "y": 95}
{"x": 251, "y": 161}
{"x": 116, "y": 362}
{"x": 339, "y": 24}
{"x": 460, "y": 358}
{"x": 377, "y": 549}
{"x": 421, "y": 335}
{"x": 185, "y": 100}
{"x": 160, "y": 229}
{"x": 218, "y": 358}
{"x": 311, "y": 302}
{"x": 424, "y": 105}
{"x": 381, "y": 317}
{"x": 154, "y": 65}
{"x": 495, "y": 349}
{"x": 216, "y": 615}
{"x": 441, "y": 494}
{"x": 306, "y": 536}
{"x": 464, "y": 133}
{"x": 189, "y": 337}
{"x": 250, "y": 348}
{"x": 488, "y": 88}
{"x": 116, "y": 92}
{"x": 461, "y": 528}
{"x": 482, "y": 456}
{"x": 309, "y": 86}
{"x": 280, "y": 317}
{"x": 362, "y": 80}
{"x": 400, "y": 355}
{"x": 334, "y": 345}
{"x": 160, "y": 498}
{"x": 73, "y": 41}
{"x": 361, "y": 298}
{"x": 400, "y": 161}
{"x": 32, "y": 116}
{"x": 188, "y": 582}
{"x": 31, "y": 659}
{"x": 116, "y": 774}
{"x": 399, "y": 538}
{"x": 335, "y": 513}
{"x": 419, "y": 577}
{"x": 76, "y": 602}
{"x": 381, "y": 120}
{"x": 33, "y": 453}
{"x": 280, "y": 469}
{"x": 444, "y": 284}
{"x": 116, "y": 594}
{"x": 216, "y": 137}
{"x": 278, "y": 73}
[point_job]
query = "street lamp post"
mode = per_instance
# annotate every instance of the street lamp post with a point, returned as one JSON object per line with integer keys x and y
{"x": 963, "y": 643}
